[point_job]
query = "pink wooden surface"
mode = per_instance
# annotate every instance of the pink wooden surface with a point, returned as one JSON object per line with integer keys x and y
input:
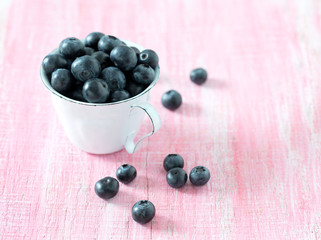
{"x": 256, "y": 123}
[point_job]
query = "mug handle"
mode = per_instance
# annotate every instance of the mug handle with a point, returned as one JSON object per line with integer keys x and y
{"x": 130, "y": 145}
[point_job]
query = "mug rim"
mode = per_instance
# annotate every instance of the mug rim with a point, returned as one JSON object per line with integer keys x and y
{"x": 45, "y": 81}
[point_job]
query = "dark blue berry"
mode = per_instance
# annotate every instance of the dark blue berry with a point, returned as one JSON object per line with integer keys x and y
{"x": 52, "y": 62}
{"x": 89, "y": 51}
{"x": 143, "y": 211}
{"x": 108, "y": 43}
{"x": 119, "y": 95}
{"x": 62, "y": 80}
{"x": 171, "y": 100}
{"x": 72, "y": 48}
{"x": 92, "y": 39}
{"x": 136, "y": 51}
{"x": 107, "y": 187}
{"x": 126, "y": 173}
{"x": 114, "y": 77}
{"x": 173, "y": 161}
{"x": 199, "y": 176}
{"x": 148, "y": 57}
{"x": 143, "y": 74}
{"x": 198, "y": 76}
{"x": 176, "y": 177}
{"x": 76, "y": 94}
{"x": 95, "y": 90}
{"x": 85, "y": 67}
{"x": 124, "y": 58}
{"x": 103, "y": 58}
{"x": 134, "y": 88}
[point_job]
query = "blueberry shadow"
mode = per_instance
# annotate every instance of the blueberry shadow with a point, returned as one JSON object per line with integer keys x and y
{"x": 122, "y": 199}
{"x": 189, "y": 109}
{"x": 161, "y": 223}
{"x": 215, "y": 83}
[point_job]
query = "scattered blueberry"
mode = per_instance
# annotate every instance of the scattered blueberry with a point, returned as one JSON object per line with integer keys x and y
{"x": 126, "y": 173}
{"x": 143, "y": 74}
{"x": 176, "y": 177}
{"x": 89, "y": 51}
{"x": 148, "y": 57}
{"x": 124, "y": 58}
{"x": 72, "y": 48}
{"x": 134, "y": 88}
{"x": 92, "y": 39}
{"x": 95, "y": 90}
{"x": 114, "y": 77}
{"x": 119, "y": 95}
{"x": 173, "y": 161}
{"x": 85, "y": 67}
{"x": 143, "y": 211}
{"x": 103, "y": 58}
{"x": 199, "y": 176}
{"x": 107, "y": 187}
{"x": 62, "y": 80}
{"x": 108, "y": 42}
{"x": 52, "y": 62}
{"x": 198, "y": 76}
{"x": 171, "y": 99}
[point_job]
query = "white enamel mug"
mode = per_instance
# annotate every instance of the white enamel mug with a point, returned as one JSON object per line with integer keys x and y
{"x": 106, "y": 127}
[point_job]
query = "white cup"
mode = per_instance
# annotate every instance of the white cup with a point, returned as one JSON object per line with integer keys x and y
{"x": 106, "y": 127}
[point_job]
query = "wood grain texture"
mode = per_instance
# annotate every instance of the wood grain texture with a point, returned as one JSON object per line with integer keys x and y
{"x": 256, "y": 123}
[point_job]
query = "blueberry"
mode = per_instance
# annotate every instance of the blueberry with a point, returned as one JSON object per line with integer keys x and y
{"x": 148, "y": 57}
{"x": 85, "y": 67}
{"x": 176, "y": 177}
{"x": 62, "y": 80}
{"x": 103, "y": 58}
{"x": 143, "y": 74}
{"x": 95, "y": 90}
{"x": 89, "y": 51}
{"x": 136, "y": 51}
{"x": 52, "y": 62}
{"x": 119, "y": 95}
{"x": 134, "y": 88}
{"x": 69, "y": 61}
{"x": 92, "y": 39}
{"x": 199, "y": 176}
{"x": 108, "y": 42}
{"x": 143, "y": 211}
{"x": 124, "y": 58}
{"x": 198, "y": 76}
{"x": 173, "y": 161}
{"x": 171, "y": 99}
{"x": 72, "y": 48}
{"x": 79, "y": 83}
{"x": 107, "y": 187}
{"x": 76, "y": 94}
{"x": 126, "y": 173}
{"x": 114, "y": 77}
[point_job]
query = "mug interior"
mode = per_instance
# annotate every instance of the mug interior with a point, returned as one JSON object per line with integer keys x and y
{"x": 46, "y": 82}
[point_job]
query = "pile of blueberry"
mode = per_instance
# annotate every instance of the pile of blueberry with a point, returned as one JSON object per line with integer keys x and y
{"x": 144, "y": 211}
{"x": 177, "y": 177}
{"x": 102, "y": 69}
{"x": 173, "y": 99}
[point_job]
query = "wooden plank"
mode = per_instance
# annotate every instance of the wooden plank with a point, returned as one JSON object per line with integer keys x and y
{"x": 256, "y": 123}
